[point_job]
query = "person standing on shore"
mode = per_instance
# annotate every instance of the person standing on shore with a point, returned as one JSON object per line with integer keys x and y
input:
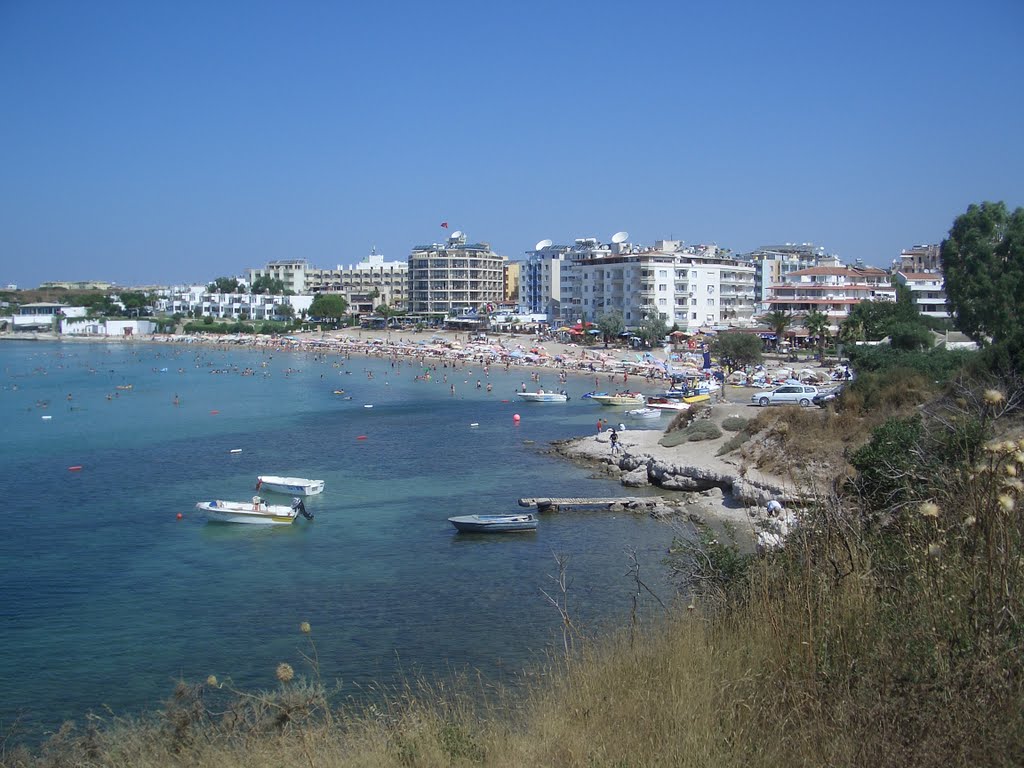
{"x": 613, "y": 439}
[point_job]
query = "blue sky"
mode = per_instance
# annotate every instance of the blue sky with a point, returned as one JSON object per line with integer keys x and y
{"x": 160, "y": 142}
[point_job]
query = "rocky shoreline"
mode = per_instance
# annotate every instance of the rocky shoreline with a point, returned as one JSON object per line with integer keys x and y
{"x": 703, "y": 487}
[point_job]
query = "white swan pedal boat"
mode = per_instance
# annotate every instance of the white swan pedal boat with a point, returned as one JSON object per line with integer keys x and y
{"x": 494, "y": 523}
{"x": 293, "y": 486}
{"x": 256, "y": 511}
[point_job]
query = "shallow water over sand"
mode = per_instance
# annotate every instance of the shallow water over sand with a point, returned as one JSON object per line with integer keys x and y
{"x": 108, "y": 598}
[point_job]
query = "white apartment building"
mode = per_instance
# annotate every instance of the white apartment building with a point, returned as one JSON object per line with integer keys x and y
{"x": 197, "y": 301}
{"x": 541, "y": 279}
{"x": 455, "y": 277}
{"x": 358, "y": 283}
{"x": 927, "y": 292}
{"x": 830, "y": 290}
{"x": 291, "y": 272}
{"x": 688, "y": 286}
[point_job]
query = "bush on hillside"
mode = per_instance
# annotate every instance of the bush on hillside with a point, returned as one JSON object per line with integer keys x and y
{"x": 696, "y": 431}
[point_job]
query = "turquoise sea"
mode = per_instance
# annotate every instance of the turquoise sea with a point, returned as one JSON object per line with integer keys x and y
{"x": 109, "y": 598}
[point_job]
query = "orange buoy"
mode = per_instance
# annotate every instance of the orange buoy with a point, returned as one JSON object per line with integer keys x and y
{"x": 76, "y": 468}
{"x": 180, "y": 515}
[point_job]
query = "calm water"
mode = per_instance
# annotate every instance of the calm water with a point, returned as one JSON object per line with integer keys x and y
{"x": 108, "y": 598}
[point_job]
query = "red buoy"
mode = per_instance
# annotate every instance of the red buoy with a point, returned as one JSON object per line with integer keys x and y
{"x": 214, "y": 413}
{"x": 515, "y": 418}
{"x": 360, "y": 437}
{"x": 76, "y": 468}
{"x": 180, "y": 515}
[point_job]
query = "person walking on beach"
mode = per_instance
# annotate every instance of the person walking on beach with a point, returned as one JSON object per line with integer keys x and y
{"x": 613, "y": 439}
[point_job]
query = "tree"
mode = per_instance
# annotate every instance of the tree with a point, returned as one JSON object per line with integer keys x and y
{"x": 286, "y": 311}
{"x": 737, "y": 350}
{"x": 778, "y": 320}
{"x": 652, "y": 329}
{"x": 817, "y": 324}
{"x": 225, "y": 285}
{"x": 386, "y": 312}
{"x": 267, "y": 284}
{"x": 983, "y": 263}
{"x": 329, "y": 306}
{"x": 611, "y": 325}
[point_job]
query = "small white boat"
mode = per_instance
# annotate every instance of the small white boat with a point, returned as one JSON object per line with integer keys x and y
{"x": 543, "y": 397}
{"x": 494, "y": 523}
{"x": 621, "y": 398}
{"x": 257, "y": 511}
{"x": 667, "y": 404}
{"x": 643, "y": 413}
{"x": 293, "y": 486}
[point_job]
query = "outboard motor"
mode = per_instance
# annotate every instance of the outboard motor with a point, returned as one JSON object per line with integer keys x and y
{"x": 300, "y": 507}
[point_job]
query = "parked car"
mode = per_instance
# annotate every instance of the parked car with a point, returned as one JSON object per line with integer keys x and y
{"x": 787, "y": 394}
{"x": 826, "y": 396}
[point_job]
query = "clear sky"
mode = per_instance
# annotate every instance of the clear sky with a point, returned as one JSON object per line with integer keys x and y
{"x": 163, "y": 142}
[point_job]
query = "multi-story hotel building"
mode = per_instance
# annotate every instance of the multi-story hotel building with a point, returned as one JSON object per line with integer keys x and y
{"x": 774, "y": 262}
{"x": 830, "y": 290}
{"x": 455, "y": 277}
{"x": 542, "y": 278}
{"x": 357, "y": 284}
{"x": 687, "y": 286}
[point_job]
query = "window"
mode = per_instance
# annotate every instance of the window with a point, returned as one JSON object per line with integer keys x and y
{"x": 662, "y": 302}
{"x": 711, "y": 289}
{"x": 711, "y": 302}
{"x": 662, "y": 287}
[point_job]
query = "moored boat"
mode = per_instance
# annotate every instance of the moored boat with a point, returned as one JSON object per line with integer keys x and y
{"x": 494, "y": 523}
{"x": 543, "y": 397}
{"x": 255, "y": 512}
{"x": 643, "y": 413}
{"x": 620, "y": 398}
{"x": 293, "y": 486}
{"x": 667, "y": 404}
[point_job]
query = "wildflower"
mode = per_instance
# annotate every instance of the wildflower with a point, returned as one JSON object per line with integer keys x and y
{"x": 285, "y": 672}
{"x": 1019, "y": 457}
{"x": 212, "y": 681}
{"x": 993, "y": 397}
{"x": 1011, "y": 470}
{"x": 929, "y": 509}
{"x": 970, "y": 520}
{"x": 304, "y": 628}
{"x": 934, "y": 550}
{"x": 1006, "y": 503}
{"x": 1014, "y": 485}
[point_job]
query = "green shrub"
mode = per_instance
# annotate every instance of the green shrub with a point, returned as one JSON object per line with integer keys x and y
{"x": 698, "y": 430}
{"x": 734, "y": 423}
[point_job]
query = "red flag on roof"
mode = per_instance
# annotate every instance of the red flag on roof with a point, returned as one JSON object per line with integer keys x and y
{"x": 444, "y": 224}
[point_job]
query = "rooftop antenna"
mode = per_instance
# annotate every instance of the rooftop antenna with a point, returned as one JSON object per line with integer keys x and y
{"x": 545, "y": 243}
{"x": 620, "y": 237}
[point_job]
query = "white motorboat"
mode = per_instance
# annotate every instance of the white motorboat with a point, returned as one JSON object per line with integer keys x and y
{"x": 643, "y": 413}
{"x": 257, "y": 511}
{"x": 494, "y": 523}
{"x": 621, "y": 398}
{"x": 667, "y": 404}
{"x": 543, "y": 397}
{"x": 293, "y": 486}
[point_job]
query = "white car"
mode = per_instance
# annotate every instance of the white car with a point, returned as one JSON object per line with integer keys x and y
{"x": 787, "y": 394}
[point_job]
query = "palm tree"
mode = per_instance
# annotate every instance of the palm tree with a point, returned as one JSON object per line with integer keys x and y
{"x": 778, "y": 320}
{"x": 817, "y": 324}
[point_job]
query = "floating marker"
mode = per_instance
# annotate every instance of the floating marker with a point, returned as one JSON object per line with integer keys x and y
{"x": 360, "y": 437}
{"x": 214, "y": 413}
{"x": 76, "y": 468}
{"x": 235, "y": 450}
{"x": 47, "y": 418}
{"x": 515, "y": 418}
{"x": 475, "y": 424}
{"x": 367, "y": 406}
{"x": 180, "y": 515}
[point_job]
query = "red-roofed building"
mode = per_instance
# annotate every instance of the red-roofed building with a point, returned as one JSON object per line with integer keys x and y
{"x": 830, "y": 290}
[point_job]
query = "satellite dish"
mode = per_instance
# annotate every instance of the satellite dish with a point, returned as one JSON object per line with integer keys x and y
{"x": 542, "y": 244}
{"x": 620, "y": 237}
{"x": 456, "y": 235}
